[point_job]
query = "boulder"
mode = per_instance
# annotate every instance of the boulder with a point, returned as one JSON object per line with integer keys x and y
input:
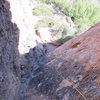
{"x": 72, "y": 71}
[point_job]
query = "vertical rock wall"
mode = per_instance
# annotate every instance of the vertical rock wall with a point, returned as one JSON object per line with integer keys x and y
{"x": 16, "y": 39}
{"x": 9, "y": 37}
{"x": 27, "y": 74}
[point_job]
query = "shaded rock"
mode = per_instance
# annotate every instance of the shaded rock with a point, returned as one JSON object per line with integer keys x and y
{"x": 72, "y": 71}
{"x": 9, "y": 81}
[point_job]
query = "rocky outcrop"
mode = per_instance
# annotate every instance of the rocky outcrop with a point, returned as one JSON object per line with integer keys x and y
{"x": 15, "y": 26}
{"x": 72, "y": 71}
{"x": 9, "y": 37}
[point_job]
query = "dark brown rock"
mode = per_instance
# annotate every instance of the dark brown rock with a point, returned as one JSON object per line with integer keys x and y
{"x": 72, "y": 71}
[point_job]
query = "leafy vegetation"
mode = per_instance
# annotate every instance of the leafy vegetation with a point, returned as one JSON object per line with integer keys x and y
{"x": 83, "y": 11}
{"x": 46, "y": 22}
{"x": 43, "y": 9}
{"x": 45, "y": 1}
{"x": 64, "y": 33}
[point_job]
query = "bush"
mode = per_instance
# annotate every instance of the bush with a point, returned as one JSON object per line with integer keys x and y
{"x": 64, "y": 33}
{"x": 83, "y": 11}
{"x": 43, "y": 9}
{"x": 45, "y": 1}
{"x": 46, "y": 22}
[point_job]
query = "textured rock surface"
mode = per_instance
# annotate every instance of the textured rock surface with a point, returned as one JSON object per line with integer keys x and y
{"x": 13, "y": 66}
{"x": 9, "y": 83}
{"x": 71, "y": 71}
{"x": 64, "y": 74}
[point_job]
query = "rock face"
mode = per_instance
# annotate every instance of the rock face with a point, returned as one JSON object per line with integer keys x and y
{"x": 71, "y": 72}
{"x": 9, "y": 37}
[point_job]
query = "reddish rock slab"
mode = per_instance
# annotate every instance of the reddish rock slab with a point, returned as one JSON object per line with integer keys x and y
{"x": 72, "y": 71}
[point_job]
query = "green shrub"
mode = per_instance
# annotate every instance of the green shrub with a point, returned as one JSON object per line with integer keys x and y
{"x": 45, "y": 22}
{"x": 80, "y": 10}
{"x": 82, "y": 27}
{"x": 64, "y": 33}
{"x": 86, "y": 12}
{"x": 83, "y": 11}
{"x": 45, "y": 1}
{"x": 43, "y": 9}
